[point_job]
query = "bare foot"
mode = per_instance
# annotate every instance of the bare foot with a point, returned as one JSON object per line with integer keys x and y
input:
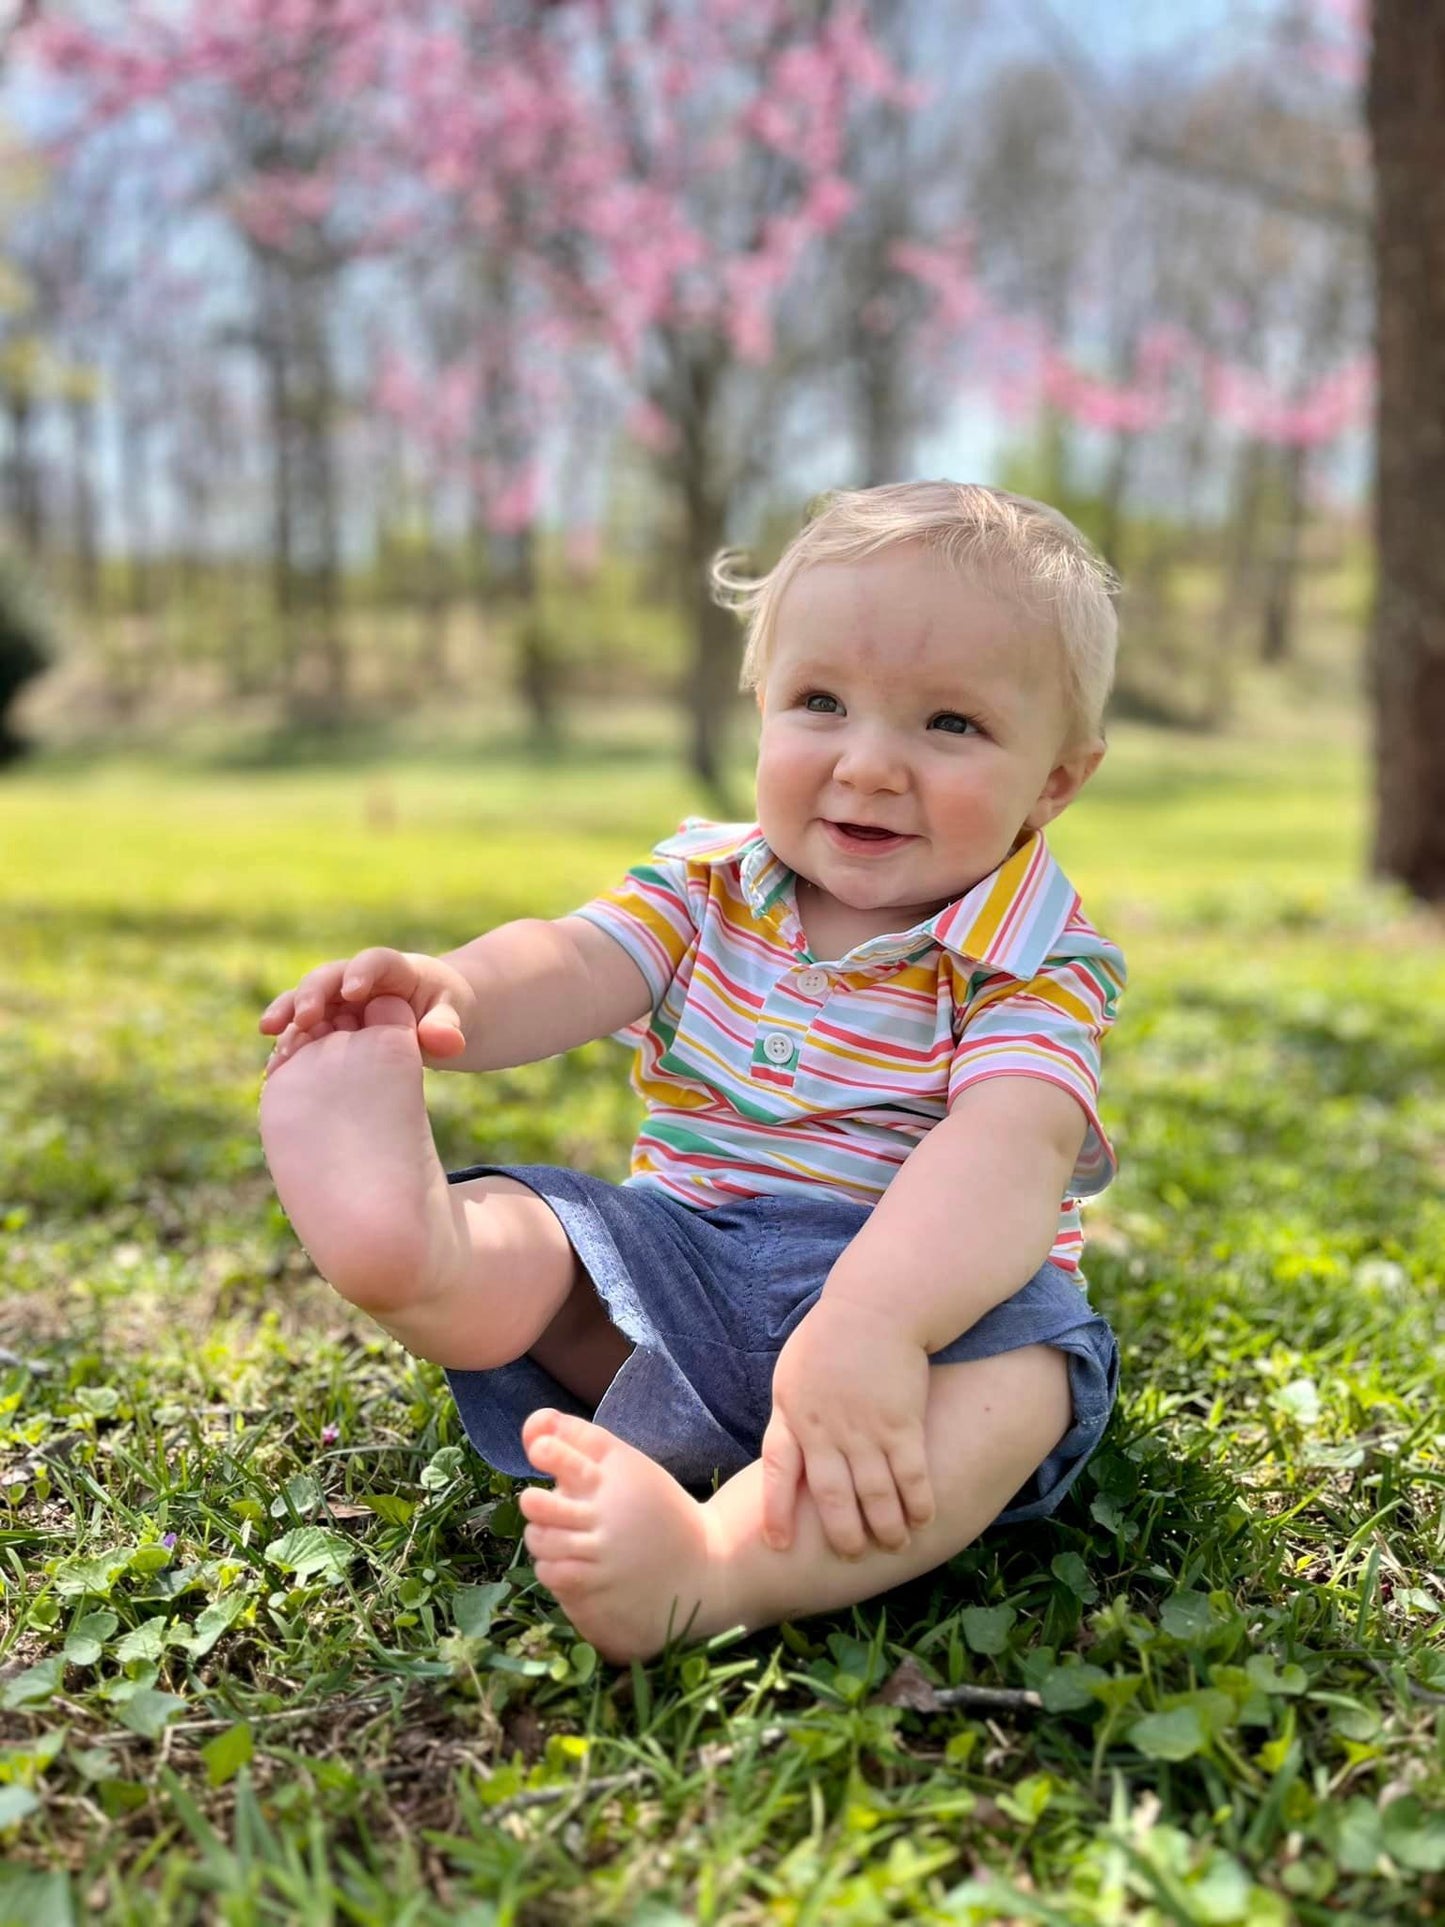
{"x": 628, "y": 1553}
{"x": 346, "y": 1135}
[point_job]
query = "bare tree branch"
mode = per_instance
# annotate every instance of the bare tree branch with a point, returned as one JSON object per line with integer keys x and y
{"x": 1287, "y": 196}
{"x": 1085, "y": 77}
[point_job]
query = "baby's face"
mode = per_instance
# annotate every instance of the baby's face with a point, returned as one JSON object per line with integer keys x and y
{"x": 913, "y": 731}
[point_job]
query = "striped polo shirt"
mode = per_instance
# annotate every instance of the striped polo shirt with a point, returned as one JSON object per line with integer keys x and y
{"x": 766, "y": 1070}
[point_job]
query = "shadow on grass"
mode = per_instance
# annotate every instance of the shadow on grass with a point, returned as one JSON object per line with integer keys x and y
{"x": 171, "y": 925}
{"x": 79, "y": 1140}
{"x": 362, "y": 746}
{"x": 79, "y": 1137}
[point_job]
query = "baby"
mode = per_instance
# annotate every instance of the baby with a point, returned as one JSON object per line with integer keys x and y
{"x": 843, "y": 1275}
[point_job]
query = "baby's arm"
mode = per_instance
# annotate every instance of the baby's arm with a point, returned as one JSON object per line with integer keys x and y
{"x": 523, "y": 991}
{"x": 972, "y": 1213}
{"x": 542, "y": 987}
{"x": 968, "y": 1220}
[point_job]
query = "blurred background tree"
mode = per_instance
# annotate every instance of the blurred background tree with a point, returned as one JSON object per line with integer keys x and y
{"x": 1407, "y": 123}
{"x": 369, "y": 362}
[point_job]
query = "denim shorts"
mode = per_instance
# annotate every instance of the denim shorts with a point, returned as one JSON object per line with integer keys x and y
{"x": 709, "y": 1298}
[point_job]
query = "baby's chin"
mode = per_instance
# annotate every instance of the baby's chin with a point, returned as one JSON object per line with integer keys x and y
{"x": 906, "y": 900}
{"x": 902, "y": 913}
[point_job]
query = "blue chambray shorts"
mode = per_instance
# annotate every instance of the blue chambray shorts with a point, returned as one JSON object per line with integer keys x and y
{"x": 710, "y": 1297}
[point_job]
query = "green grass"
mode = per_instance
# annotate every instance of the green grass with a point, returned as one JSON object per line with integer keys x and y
{"x": 272, "y": 1650}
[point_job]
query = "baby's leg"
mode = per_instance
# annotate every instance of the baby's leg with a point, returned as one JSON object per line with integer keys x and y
{"x": 469, "y": 1275}
{"x": 634, "y": 1559}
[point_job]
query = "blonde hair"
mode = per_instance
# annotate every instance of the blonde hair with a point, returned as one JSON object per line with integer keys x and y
{"x": 1028, "y": 549}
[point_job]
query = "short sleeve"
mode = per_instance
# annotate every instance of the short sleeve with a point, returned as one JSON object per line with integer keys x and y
{"x": 1050, "y": 1027}
{"x": 650, "y": 915}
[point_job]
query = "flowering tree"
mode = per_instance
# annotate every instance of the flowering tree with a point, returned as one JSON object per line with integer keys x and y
{"x": 660, "y": 184}
{"x": 709, "y": 237}
{"x": 240, "y": 133}
{"x": 447, "y": 228}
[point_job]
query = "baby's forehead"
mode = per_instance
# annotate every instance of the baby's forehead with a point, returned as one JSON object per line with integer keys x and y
{"x": 911, "y": 615}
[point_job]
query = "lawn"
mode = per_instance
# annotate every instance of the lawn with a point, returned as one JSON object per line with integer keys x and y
{"x": 272, "y": 1650}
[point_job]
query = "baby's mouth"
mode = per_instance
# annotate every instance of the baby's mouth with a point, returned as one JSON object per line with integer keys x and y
{"x": 865, "y": 833}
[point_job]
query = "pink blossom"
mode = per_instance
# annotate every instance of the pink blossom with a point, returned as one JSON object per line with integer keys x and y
{"x": 1337, "y": 401}
{"x": 1161, "y": 349}
{"x": 829, "y": 201}
{"x": 859, "y": 57}
{"x": 947, "y": 273}
{"x": 514, "y": 506}
{"x": 583, "y": 549}
{"x": 1110, "y": 407}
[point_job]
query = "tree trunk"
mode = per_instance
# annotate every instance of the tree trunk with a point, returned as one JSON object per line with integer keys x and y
{"x": 1111, "y": 507}
{"x": 84, "y": 518}
{"x": 883, "y": 410}
{"x": 318, "y": 426}
{"x": 1054, "y": 455}
{"x": 27, "y": 516}
{"x": 134, "y": 452}
{"x": 272, "y": 345}
{"x": 433, "y": 599}
{"x": 537, "y": 663}
{"x": 1276, "y": 644}
{"x": 1238, "y": 591}
{"x": 713, "y": 672}
{"x": 1407, "y": 667}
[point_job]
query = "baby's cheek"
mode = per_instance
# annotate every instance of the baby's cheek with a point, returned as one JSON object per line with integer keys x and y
{"x": 772, "y": 809}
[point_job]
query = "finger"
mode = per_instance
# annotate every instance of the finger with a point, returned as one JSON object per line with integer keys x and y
{"x": 378, "y": 972}
{"x": 831, "y": 1484}
{"x": 782, "y": 1459}
{"x": 910, "y": 1470}
{"x": 296, "y": 1037}
{"x": 317, "y": 989}
{"x": 285, "y": 1043}
{"x": 291, "y": 1040}
{"x": 440, "y": 1032}
{"x": 346, "y": 1020}
{"x": 878, "y": 1496}
{"x": 277, "y": 1014}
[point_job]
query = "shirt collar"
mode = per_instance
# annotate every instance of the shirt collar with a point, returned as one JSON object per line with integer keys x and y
{"x": 1009, "y": 921}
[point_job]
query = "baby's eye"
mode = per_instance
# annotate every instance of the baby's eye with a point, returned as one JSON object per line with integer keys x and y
{"x": 820, "y": 702}
{"x": 952, "y": 723}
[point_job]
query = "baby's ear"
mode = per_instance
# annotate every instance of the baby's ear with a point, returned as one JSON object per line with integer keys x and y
{"x": 1066, "y": 779}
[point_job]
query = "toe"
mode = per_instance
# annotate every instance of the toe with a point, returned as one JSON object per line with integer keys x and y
{"x": 557, "y": 1443}
{"x": 394, "y": 1013}
{"x": 538, "y": 1422}
{"x": 554, "y": 1542}
{"x": 585, "y": 1437}
{"x": 569, "y": 1577}
{"x": 561, "y": 1461}
{"x": 549, "y": 1507}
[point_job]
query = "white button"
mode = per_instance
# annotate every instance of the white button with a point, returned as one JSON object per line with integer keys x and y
{"x": 777, "y": 1047}
{"x": 813, "y": 982}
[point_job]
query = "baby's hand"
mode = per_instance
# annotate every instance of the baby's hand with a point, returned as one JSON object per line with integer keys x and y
{"x": 849, "y": 1392}
{"x": 334, "y": 996}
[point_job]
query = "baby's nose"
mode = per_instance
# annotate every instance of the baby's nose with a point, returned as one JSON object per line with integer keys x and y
{"x": 871, "y": 760}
